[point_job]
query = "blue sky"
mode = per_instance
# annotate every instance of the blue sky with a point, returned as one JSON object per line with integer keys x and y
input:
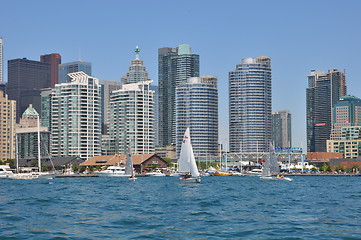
{"x": 299, "y": 36}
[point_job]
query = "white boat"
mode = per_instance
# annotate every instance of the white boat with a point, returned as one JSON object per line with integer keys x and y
{"x": 271, "y": 168}
{"x": 31, "y": 174}
{"x": 255, "y": 172}
{"x": 129, "y": 168}
{"x": 187, "y": 162}
{"x": 5, "y": 171}
{"x": 156, "y": 173}
{"x": 113, "y": 171}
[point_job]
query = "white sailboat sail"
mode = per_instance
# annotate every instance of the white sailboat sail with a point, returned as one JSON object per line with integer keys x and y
{"x": 129, "y": 164}
{"x": 187, "y": 162}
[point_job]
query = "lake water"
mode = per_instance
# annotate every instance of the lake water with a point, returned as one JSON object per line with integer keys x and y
{"x": 162, "y": 208}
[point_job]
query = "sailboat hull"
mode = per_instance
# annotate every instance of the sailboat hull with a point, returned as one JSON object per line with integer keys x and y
{"x": 190, "y": 180}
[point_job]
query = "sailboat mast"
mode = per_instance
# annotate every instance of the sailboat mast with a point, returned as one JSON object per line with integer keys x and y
{"x": 39, "y": 156}
{"x": 17, "y": 153}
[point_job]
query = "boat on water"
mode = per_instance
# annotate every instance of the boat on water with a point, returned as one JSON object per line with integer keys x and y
{"x": 5, "y": 171}
{"x": 255, "y": 172}
{"x": 156, "y": 173}
{"x": 113, "y": 171}
{"x": 222, "y": 174}
{"x": 187, "y": 162}
{"x": 129, "y": 168}
{"x": 271, "y": 168}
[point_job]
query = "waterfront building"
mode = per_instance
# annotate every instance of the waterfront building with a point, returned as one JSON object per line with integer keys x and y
{"x": 27, "y": 136}
{"x": 197, "y": 108}
{"x": 349, "y": 148}
{"x": 345, "y": 113}
{"x": 137, "y": 72}
{"x": 26, "y": 78}
{"x": 323, "y": 92}
{"x": 132, "y": 118}
{"x": 45, "y": 116}
{"x": 281, "y": 129}
{"x": 351, "y": 133}
{"x": 54, "y": 59}
{"x": 72, "y": 67}
{"x": 7, "y": 127}
{"x": 76, "y": 117}
{"x": 156, "y": 113}
{"x": 175, "y": 66}
{"x": 1, "y": 61}
{"x": 250, "y": 105}
{"x": 107, "y": 87}
{"x": 108, "y": 145}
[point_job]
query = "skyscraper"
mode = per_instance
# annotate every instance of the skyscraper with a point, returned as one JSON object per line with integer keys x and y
{"x": 345, "y": 113}
{"x": 197, "y": 108}
{"x": 77, "y": 66}
{"x": 250, "y": 105}
{"x": 132, "y": 118}
{"x": 54, "y": 60}
{"x": 281, "y": 129}
{"x": 76, "y": 117}
{"x": 26, "y": 78}
{"x": 7, "y": 127}
{"x": 107, "y": 88}
{"x": 132, "y": 111}
{"x": 324, "y": 90}
{"x": 1, "y": 61}
{"x": 175, "y": 66}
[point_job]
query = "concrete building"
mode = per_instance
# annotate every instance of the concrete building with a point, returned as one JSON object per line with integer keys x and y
{"x": 250, "y": 105}
{"x": 26, "y": 78}
{"x": 281, "y": 129}
{"x": 132, "y": 118}
{"x": 1, "y": 61}
{"x": 323, "y": 92}
{"x": 76, "y": 117}
{"x": 27, "y": 136}
{"x": 72, "y": 67}
{"x": 107, "y": 88}
{"x": 175, "y": 66}
{"x": 137, "y": 72}
{"x": 7, "y": 127}
{"x": 54, "y": 59}
{"x": 197, "y": 108}
{"x": 345, "y": 113}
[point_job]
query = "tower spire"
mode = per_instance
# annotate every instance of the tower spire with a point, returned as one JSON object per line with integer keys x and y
{"x": 137, "y": 50}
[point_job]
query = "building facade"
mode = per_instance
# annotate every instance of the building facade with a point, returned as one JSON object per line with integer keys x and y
{"x": 345, "y": 113}
{"x": 175, "y": 66}
{"x": 27, "y": 135}
{"x": 72, "y": 67}
{"x": 250, "y": 105}
{"x": 132, "y": 118}
{"x": 76, "y": 117}
{"x": 26, "y": 78}
{"x": 197, "y": 108}
{"x": 107, "y": 87}
{"x": 323, "y": 92}
{"x": 7, "y": 127}
{"x": 281, "y": 129}
{"x": 1, "y": 61}
{"x": 54, "y": 59}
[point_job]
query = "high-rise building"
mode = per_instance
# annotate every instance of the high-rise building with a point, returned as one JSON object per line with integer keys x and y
{"x": 137, "y": 72}
{"x": 45, "y": 116}
{"x": 72, "y": 67}
{"x": 323, "y": 92}
{"x": 156, "y": 114}
{"x": 7, "y": 127}
{"x": 132, "y": 118}
{"x": 54, "y": 60}
{"x": 250, "y": 105}
{"x": 345, "y": 113}
{"x": 175, "y": 66}
{"x": 281, "y": 129}
{"x": 197, "y": 108}
{"x": 26, "y": 78}
{"x": 1, "y": 61}
{"x": 27, "y": 136}
{"x": 76, "y": 117}
{"x": 107, "y": 88}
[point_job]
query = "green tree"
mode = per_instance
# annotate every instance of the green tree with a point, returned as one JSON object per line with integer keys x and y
{"x": 326, "y": 167}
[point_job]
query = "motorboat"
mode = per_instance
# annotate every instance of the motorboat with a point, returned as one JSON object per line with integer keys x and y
{"x": 113, "y": 171}
{"x": 156, "y": 173}
{"x": 5, "y": 171}
{"x": 255, "y": 172}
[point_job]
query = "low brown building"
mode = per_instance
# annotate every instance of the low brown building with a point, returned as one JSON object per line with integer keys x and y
{"x": 347, "y": 163}
{"x": 141, "y": 162}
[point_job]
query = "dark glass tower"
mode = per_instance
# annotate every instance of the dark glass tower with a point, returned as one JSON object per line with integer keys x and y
{"x": 175, "y": 66}
{"x": 26, "y": 78}
{"x": 54, "y": 60}
{"x": 323, "y": 92}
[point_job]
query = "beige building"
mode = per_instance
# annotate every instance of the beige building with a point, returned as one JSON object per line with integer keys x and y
{"x": 7, "y": 127}
{"x": 349, "y": 148}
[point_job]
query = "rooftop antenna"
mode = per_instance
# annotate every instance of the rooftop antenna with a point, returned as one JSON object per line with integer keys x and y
{"x": 137, "y": 50}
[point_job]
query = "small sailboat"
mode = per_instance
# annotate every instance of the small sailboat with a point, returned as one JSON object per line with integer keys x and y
{"x": 187, "y": 162}
{"x": 271, "y": 168}
{"x": 129, "y": 169}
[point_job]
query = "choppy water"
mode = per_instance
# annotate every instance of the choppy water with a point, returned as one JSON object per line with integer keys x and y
{"x": 161, "y": 208}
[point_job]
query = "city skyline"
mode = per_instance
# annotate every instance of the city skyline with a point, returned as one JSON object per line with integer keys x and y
{"x": 286, "y": 32}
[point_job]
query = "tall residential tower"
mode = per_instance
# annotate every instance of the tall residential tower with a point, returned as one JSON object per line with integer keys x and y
{"x": 250, "y": 105}
{"x": 175, "y": 66}
{"x": 281, "y": 129}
